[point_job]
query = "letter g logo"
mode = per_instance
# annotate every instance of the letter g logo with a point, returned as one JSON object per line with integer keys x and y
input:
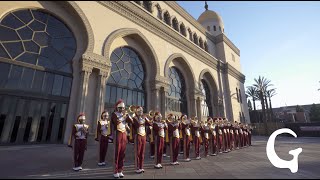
{"x": 274, "y": 158}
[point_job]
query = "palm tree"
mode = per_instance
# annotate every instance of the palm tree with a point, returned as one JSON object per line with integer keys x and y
{"x": 251, "y": 92}
{"x": 262, "y": 84}
{"x": 270, "y": 93}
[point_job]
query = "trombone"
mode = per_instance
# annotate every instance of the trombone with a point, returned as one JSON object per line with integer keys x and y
{"x": 149, "y": 117}
{"x": 131, "y": 111}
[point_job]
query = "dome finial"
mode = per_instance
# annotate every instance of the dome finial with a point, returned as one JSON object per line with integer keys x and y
{"x": 206, "y": 5}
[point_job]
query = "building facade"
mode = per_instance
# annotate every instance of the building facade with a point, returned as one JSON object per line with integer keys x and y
{"x": 58, "y": 59}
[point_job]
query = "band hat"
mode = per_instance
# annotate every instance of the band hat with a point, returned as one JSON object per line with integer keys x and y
{"x": 120, "y": 103}
{"x": 183, "y": 116}
{"x": 81, "y": 115}
{"x": 156, "y": 114}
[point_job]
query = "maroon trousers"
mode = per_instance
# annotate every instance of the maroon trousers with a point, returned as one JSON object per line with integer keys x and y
{"x": 152, "y": 149}
{"x": 196, "y": 146}
{"x": 220, "y": 143}
{"x": 78, "y": 153}
{"x": 159, "y": 149}
{"x": 206, "y": 146}
{"x": 231, "y": 141}
{"x": 139, "y": 147}
{"x": 226, "y": 141}
{"x": 246, "y": 140}
{"x": 213, "y": 142}
{"x": 174, "y": 149}
{"x": 120, "y": 149}
{"x": 186, "y": 146}
{"x": 237, "y": 140}
{"x": 241, "y": 140}
{"x": 103, "y": 148}
{"x": 181, "y": 145}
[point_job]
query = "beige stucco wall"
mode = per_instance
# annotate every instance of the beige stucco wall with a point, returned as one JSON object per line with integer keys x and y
{"x": 103, "y": 23}
{"x": 228, "y": 57}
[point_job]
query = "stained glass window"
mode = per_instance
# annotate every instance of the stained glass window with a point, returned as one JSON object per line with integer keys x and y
{"x": 176, "y": 96}
{"x": 206, "y": 103}
{"x": 126, "y": 79}
{"x": 37, "y": 38}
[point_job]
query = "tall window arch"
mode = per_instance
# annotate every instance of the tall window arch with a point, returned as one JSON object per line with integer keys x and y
{"x": 195, "y": 39}
{"x": 126, "y": 80}
{"x": 190, "y": 34}
{"x": 183, "y": 29}
{"x": 175, "y": 24}
{"x": 148, "y": 5}
{"x": 201, "y": 42}
{"x": 176, "y": 99}
{"x": 159, "y": 11}
{"x": 167, "y": 18}
{"x": 206, "y": 105}
{"x": 36, "y": 53}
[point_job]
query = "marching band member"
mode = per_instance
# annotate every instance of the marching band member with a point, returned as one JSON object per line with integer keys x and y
{"x": 232, "y": 144}
{"x": 241, "y": 135}
{"x": 151, "y": 141}
{"x": 225, "y": 135}
{"x": 237, "y": 135}
{"x": 220, "y": 136}
{"x": 159, "y": 128}
{"x": 119, "y": 121}
{"x": 186, "y": 136}
{"x": 139, "y": 131}
{"x": 174, "y": 139}
{"x": 197, "y": 136}
{"x": 205, "y": 134}
{"x": 79, "y": 133}
{"x": 250, "y": 132}
{"x": 245, "y": 129}
{"x": 102, "y": 135}
{"x": 228, "y": 135}
{"x": 213, "y": 136}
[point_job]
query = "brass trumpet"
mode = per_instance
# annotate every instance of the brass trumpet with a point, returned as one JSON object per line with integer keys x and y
{"x": 131, "y": 111}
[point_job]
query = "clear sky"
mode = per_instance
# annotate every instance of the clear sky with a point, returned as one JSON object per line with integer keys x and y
{"x": 277, "y": 40}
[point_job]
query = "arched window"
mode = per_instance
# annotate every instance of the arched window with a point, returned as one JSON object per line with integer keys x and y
{"x": 147, "y": 5}
{"x": 206, "y": 103}
{"x": 220, "y": 28}
{"x": 159, "y": 15}
{"x": 175, "y": 24}
{"x": 126, "y": 80}
{"x": 36, "y": 53}
{"x": 201, "y": 43}
{"x": 176, "y": 98}
{"x": 208, "y": 28}
{"x": 138, "y": 2}
{"x": 195, "y": 39}
{"x": 214, "y": 28}
{"x": 167, "y": 18}
{"x": 183, "y": 30}
{"x": 206, "y": 47}
{"x": 190, "y": 35}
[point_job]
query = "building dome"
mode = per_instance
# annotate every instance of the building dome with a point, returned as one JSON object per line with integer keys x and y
{"x": 212, "y": 22}
{"x": 209, "y": 15}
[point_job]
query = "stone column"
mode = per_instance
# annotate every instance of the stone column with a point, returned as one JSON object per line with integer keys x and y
{"x": 85, "y": 74}
{"x": 100, "y": 92}
{"x": 159, "y": 87}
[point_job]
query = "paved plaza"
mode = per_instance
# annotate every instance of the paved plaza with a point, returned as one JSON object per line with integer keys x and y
{"x": 55, "y": 161}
